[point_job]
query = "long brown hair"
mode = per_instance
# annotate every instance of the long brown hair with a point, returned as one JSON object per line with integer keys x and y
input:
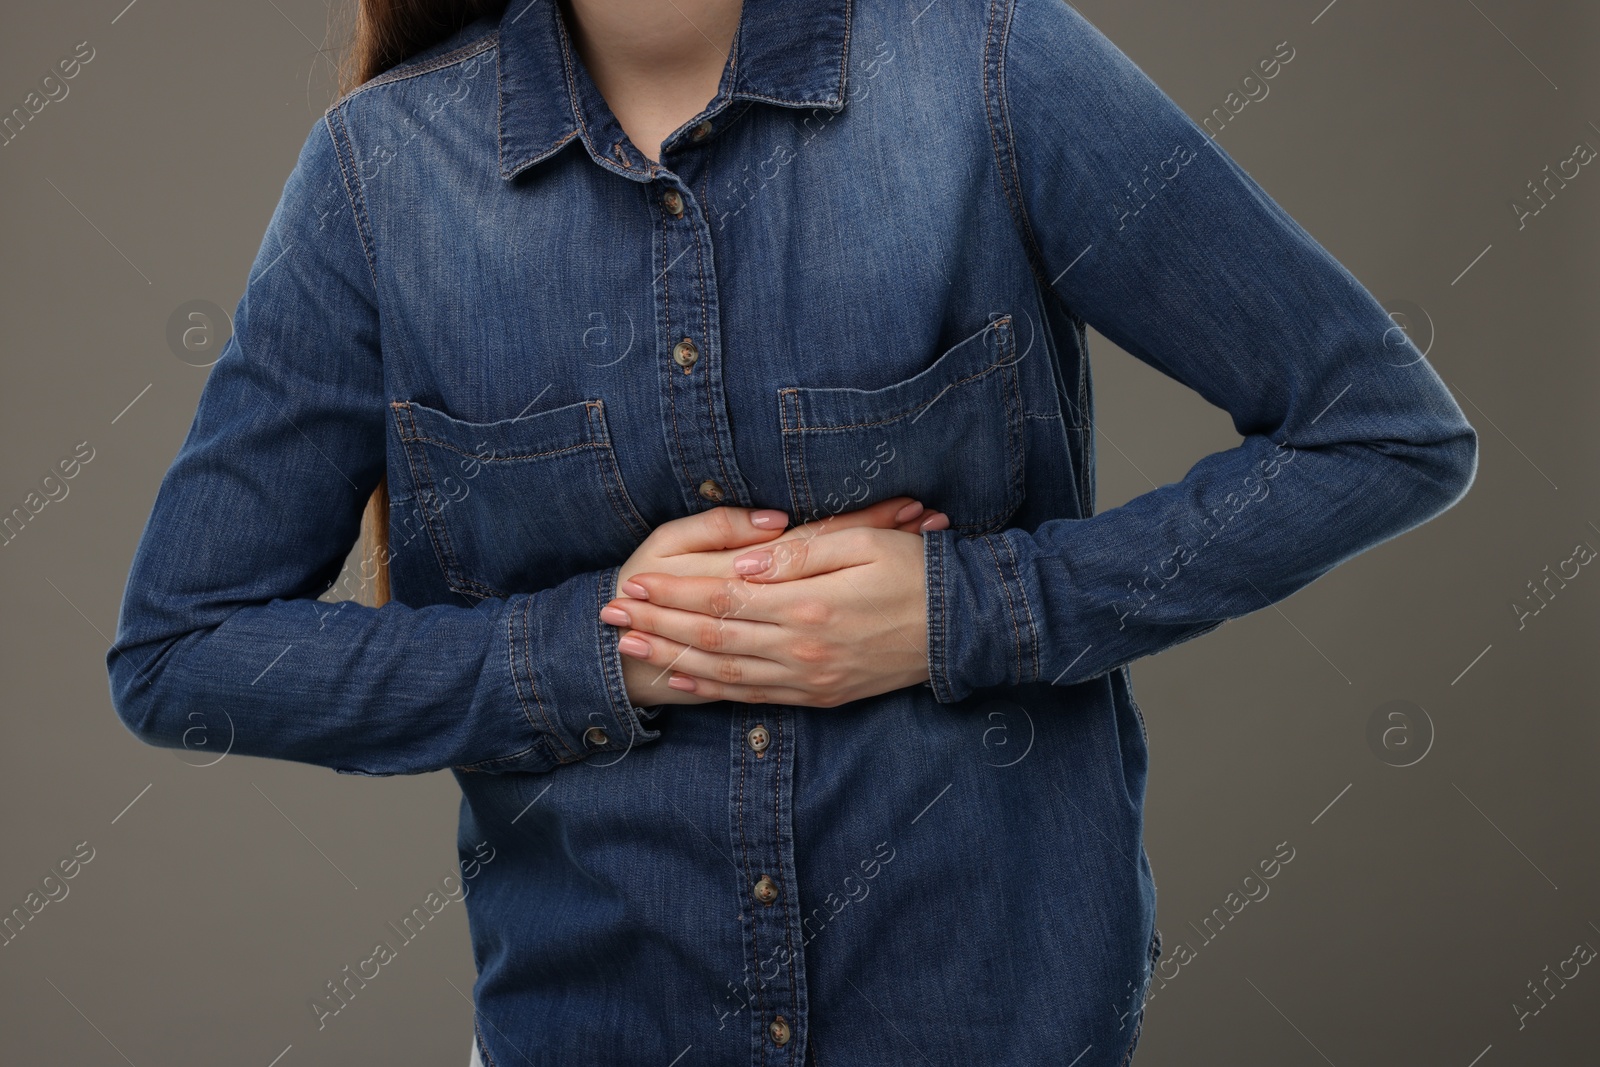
{"x": 386, "y": 33}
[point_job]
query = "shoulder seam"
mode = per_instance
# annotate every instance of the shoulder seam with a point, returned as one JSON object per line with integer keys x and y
{"x": 1001, "y": 136}
{"x": 998, "y": 109}
{"x": 334, "y": 122}
{"x": 402, "y": 73}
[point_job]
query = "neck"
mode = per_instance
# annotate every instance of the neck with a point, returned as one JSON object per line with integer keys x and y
{"x": 630, "y": 42}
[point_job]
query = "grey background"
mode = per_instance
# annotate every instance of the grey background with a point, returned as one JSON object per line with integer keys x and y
{"x": 1418, "y": 905}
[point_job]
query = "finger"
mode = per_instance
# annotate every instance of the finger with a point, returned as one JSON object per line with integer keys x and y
{"x": 884, "y": 515}
{"x": 711, "y": 689}
{"x": 926, "y": 521}
{"x": 708, "y": 669}
{"x": 710, "y": 633}
{"x": 809, "y": 556}
{"x": 720, "y": 527}
{"x": 718, "y": 598}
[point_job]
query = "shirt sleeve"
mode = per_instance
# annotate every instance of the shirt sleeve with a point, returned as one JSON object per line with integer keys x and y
{"x": 220, "y": 626}
{"x": 1148, "y": 231}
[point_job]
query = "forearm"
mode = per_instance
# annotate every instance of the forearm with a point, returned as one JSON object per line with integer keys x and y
{"x": 512, "y": 684}
{"x": 1245, "y": 528}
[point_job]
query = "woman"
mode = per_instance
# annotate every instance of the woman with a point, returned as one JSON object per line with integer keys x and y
{"x": 600, "y": 296}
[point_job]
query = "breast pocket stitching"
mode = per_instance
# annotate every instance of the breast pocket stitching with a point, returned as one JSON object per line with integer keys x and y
{"x": 582, "y": 423}
{"x": 825, "y": 435}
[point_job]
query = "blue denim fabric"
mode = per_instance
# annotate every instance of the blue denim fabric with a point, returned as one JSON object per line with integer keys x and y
{"x": 897, "y": 222}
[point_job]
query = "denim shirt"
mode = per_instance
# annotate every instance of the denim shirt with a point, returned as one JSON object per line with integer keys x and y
{"x": 865, "y": 269}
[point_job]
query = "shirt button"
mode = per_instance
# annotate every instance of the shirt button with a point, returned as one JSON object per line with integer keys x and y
{"x": 759, "y": 738}
{"x": 766, "y": 890}
{"x": 672, "y": 200}
{"x": 594, "y": 737}
{"x": 684, "y": 354}
{"x": 779, "y": 1029}
{"x": 711, "y": 490}
{"x": 701, "y": 129}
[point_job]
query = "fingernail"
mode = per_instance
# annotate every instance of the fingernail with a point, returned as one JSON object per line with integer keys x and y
{"x": 752, "y": 564}
{"x": 633, "y": 646}
{"x": 681, "y": 681}
{"x": 615, "y": 616}
{"x": 769, "y": 519}
{"x": 939, "y": 521}
{"x": 909, "y": 512}
{"x": 635, "y": 590}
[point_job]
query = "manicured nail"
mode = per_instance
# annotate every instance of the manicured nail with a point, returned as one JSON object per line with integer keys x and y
{"x": 939, "y": 521}
{"x": 681, "y": 681}
{"x": 753, "y": 564}
{"x": 909, "y": 512}
{"x": 615, "y": 616}
{"x": 633, "y": 646}
{"x": 769, "y": 519}
{"x": 635, "y": 590}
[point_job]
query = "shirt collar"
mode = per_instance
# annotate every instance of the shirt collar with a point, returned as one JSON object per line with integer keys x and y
{"x": 785, "y": 53}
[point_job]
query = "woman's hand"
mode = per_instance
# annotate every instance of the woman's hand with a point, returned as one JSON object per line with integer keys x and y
{"x": 705, "y": 545}
{"x": 829, "y": 613}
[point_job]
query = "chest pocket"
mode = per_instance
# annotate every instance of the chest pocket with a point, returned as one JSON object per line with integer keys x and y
{"x": 519, "y": 504}
{"x": 951, "y": 436}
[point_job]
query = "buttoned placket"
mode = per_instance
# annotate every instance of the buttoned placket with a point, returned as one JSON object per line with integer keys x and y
{"x": 761, "y": 809}
{"x": 699, "y": 443}
{"x": 693, "y": 406}
{"x": 761, "y": 781}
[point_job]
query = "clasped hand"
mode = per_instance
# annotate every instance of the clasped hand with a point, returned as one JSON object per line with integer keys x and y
{"x": 727, "y": 604}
